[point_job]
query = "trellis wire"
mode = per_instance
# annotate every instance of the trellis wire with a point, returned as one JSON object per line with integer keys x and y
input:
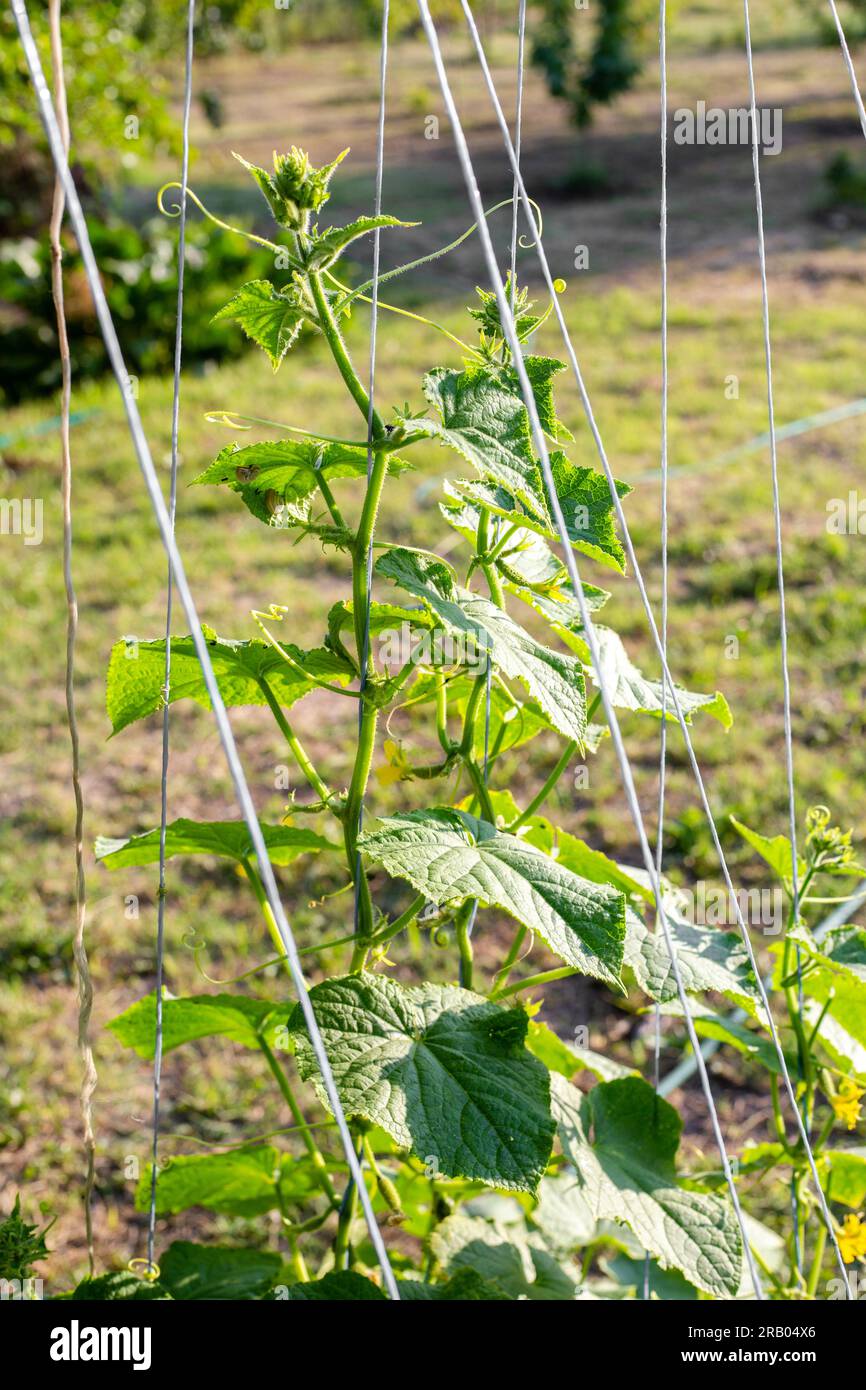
{"x": 780, "y": 568}
{"x": 855, "y": 86}
{"x": 515, "y": 209}
{"x": 663, "y": 262}
{"x": 227, "y": 739}
{"x": 647, "y": 607}
{"x": 169, "y": 596}
{"x": 371, "y": 409}
{"x": 85, "y": 985}
{"x": 571, "y": 563}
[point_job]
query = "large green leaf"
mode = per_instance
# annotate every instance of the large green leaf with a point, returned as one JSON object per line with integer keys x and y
{"x": 440, "y": 1069}
{"x": 574, "y": 854}
{"x": 136, "y": 674}
{"x": 622, "y": 1140}
{"x": 505, "y": 1256}
{"x": 627, "y": 688}
{"x": 708, "y": 957}
{"x": 120, "y": 1286}
{"x": 482, "y": 419}
{"x": 450, "y": 856}
{"x": 241, "y": 1182}
{"x": 463, "y": 1287}
{"x": 244, "y": 1021}
{"x": 227, "y": 839}
{"x": 271, "y": 318}
{"x": 191, "y": 1271}
{"x": 552, "y": 678}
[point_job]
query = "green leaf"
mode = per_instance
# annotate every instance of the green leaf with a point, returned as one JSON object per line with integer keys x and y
{"x": 120, "y": 1286}
{"x": 440, "y": 1069}
{"x": 136, "y": 674}
{"x": 463, "y": 1287}
{"x": 776, "y": 852}
{"x": 723, "y": 1029}
{"x": 484, "y": 422}
{"x": 327, "y": 247}
{"x": 227, "y": 839}
{"x": 341, "y": 1286}
{"x": 628, "y": 689}
{"x": 541, "y": 371}
{"x": 271, "y": 318}
{"x": 529, "y": 568}
{"x": 844, "y": 1176}
{"x": 567, "y": 1059}
{"x": 288, "y": 467}
{"x": 191, "y": 1271}
{"x": 244, "y": 1021}
{"x": 838, "y": 974}
{"x": 451, "y": 856}
{"x": 552, "y": 678}
{"x": 240, "y": 1182}
{"x": 504, "y": 1256}
{"x": 622, "y": 1139}
{"x": 709, "y": 959}
{"x": 590, "y": 863}
{"x": 562, "y": 1214}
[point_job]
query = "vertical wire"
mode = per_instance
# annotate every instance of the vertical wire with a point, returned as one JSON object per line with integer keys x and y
{"x": 587, "y": 624}
{"x": 663, "y": 258}
{"x": 855, "y": 86}
{"x": 217, "y": 702}
{"x": 169, "y": 601}
{"x": 85, "y": 984}
{"x": 515, "y": 209}
{"x": 780, "y": 572}
{"x": 374, "y": 331}
{"x": 676, "y": 706}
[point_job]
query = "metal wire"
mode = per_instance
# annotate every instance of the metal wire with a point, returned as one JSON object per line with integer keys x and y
{"x": 647, "y": 607}
{"x": 515, "y": 209}
{"x": 371, "y": 410}
{"x": 169, "y": 597}
{"x": 227, "y": 739}
{"x": 663, "y": 259}
{"x": 571, "y": 564}
{"x": 855, "y": 86}
{"x": 79, "y": 947}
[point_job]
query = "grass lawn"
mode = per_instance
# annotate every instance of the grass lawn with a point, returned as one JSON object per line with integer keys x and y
{"x": 723, "y": 582}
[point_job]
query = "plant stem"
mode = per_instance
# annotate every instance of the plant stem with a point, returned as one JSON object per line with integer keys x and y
{"x": 510, "y": 960}
{"x": 464, "y": 942}
{"x": 534, "y": 981}
{"x": 310, "y": 1144}
{"x": 320, "y": 787}
{"x": 817, "y": 1260}
{"x": 541, "y": 796}
{"x": 348, "y": 1212}
{"x": 328, "y": 325}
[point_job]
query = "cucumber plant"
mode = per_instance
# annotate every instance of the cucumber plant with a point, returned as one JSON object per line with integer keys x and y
{"x": 514, "y": 1163}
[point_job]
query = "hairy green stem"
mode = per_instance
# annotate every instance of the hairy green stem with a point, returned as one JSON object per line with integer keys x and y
{"x": 534, "y": 981}
{"x": 320, "y": 787}
{"x": 310, "y": 1144}
{"x": 541, "y": 796}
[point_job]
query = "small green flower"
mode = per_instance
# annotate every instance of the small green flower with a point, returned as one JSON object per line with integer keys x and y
{"x": 296, "y": 188}
{"x": 829, "y": 846}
